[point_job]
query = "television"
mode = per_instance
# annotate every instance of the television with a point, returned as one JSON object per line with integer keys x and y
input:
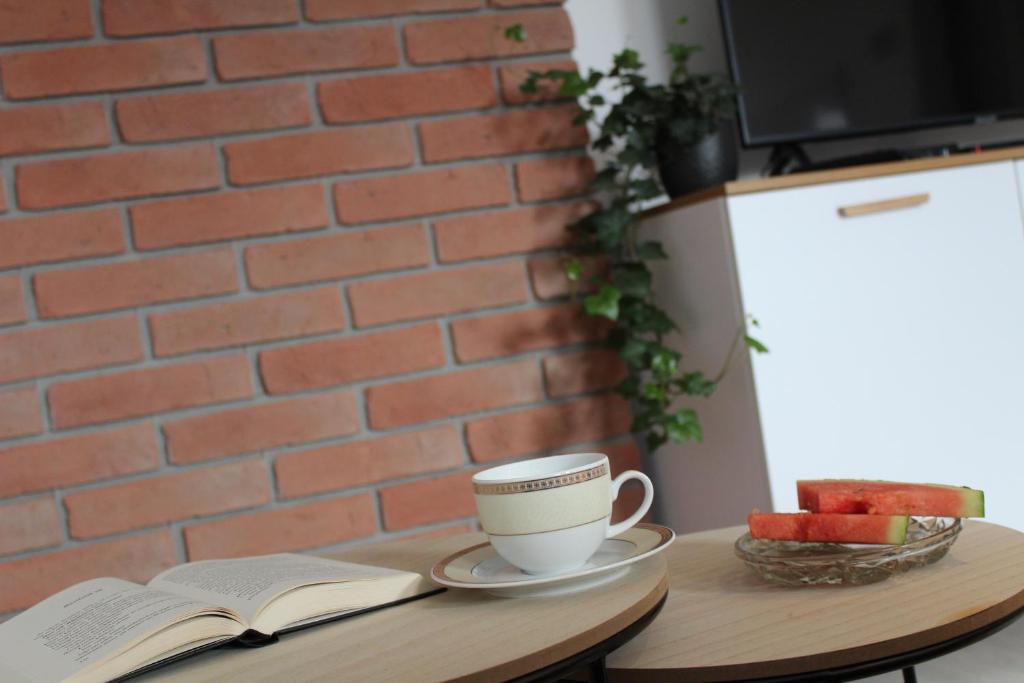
{"x": 822, "y": 69}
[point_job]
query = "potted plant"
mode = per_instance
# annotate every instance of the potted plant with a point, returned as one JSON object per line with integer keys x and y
{"x": 650, "y": 127}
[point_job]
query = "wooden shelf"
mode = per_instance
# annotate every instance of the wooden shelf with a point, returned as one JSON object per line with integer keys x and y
{"x": 738, "y": 187}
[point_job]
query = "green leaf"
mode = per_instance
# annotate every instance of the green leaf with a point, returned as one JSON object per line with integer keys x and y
{"x": 605, "y": 303}
{"x": 655, "y": 392}
{"x": 628, "y": 388}
{"x": 651, "y": 251}
{"x": 604, "y": 180}
{"x": 695, "y": 384}
{"x": 628, "y": 59}
{"x": 633, "y": 352}
{"x": 573, "y": 270}
{"x": 516, "y": 33}
{"x": 683, "y": 426}
{"x": 683, "y": 20}
{"x": 632, "y": 279}
{"x": 754, "y": 344}
{"x": 664, "y": 363}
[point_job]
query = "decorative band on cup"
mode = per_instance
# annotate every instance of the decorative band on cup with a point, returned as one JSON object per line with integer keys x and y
{"x": 541, "y": 484}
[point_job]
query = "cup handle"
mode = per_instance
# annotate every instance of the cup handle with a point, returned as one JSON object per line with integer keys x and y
{"x": 616, "y": 529}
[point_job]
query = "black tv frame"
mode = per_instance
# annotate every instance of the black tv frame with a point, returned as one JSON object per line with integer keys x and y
{"x": 750, "y": 141}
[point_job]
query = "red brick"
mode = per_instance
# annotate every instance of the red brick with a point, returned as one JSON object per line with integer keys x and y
{"x": 325, "y": 152}
{"x": 409, "y": 94}
{"x": 418, "y": 194}
{"x": 60, "y": 237}
{"x": 78, "y": 459}
{"x": 20, "y": 415}
{"x": 29, "y": 524}
{"x": 324, "y": 522}
{"x": 169, "y": 498}
{"x": 213, "y": 112}
{"x": 511, "y": 76}
{"x": 123, "y": 175}
{"x": 360, "y": 463}
{"x": 73, "y": 125}
{"x": 456, "y": 393}
{"x": 22, "y": 21}
{"x": 482, "y": 37}
{"x": 583, "y": 371}
{"x": 99, "y": 68}
{"x": 440, "y": 292}
{"x": 331, "y": 362}
{"x": 538, "y": 328}
{"x": 527, "y": 130}
{"x": 229, "y": 215}
{"x": 260, "y": 427}
{"x": 326, "y": 10}
{"x": 141, "y": 17}
{"x": 439, "y": 533}
{"x": 247, "y": 321}
{"x": 549, "y": 427}
{"x": 26, "y": 581}
{"x": 135, "y": 283}
{"x": 152, "y": 390}
{"x": 547, "y": 274}
{"x": 622, "y": 456}
{"x": 53, "y": 349}
{"x": 553, "y": 178}
{"x": 336, "y": 256}
{"x": 428, "y": 501}
{"x": 276, "y": 53}
{"x": 12, "y": 300}
{"x": 499, "y": 233}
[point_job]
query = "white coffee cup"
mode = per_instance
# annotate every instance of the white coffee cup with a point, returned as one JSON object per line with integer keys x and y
{"x": 550, "y": 515}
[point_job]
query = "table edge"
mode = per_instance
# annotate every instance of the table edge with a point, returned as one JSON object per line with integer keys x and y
{"x": 557, "y": 652}
{"x": 832, "y": 659}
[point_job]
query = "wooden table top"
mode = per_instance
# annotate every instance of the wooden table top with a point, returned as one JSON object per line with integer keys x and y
{"x": 723, "y": 623}
{"x": 457, "y": 635}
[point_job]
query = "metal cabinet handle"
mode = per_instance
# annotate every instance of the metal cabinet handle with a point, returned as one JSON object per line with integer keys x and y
{"x": 884, "y": 205}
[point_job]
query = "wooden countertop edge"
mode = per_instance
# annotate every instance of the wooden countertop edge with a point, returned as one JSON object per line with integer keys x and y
{"x": 825, "y": 660}
{"x": 739, "y": 187}
{"x": 578, "y": 643}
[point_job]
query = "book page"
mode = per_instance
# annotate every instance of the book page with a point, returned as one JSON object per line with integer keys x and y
{"x": 85, "y": 625}
{"x": 249, "y": 584}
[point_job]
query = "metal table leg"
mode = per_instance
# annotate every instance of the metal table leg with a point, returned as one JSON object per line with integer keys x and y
{"x": 909, "y": 675}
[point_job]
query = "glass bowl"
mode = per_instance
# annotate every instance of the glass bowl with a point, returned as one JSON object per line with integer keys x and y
{"x": 810, "y": 564}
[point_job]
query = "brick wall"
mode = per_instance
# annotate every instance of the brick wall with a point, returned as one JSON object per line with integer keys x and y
{"x": 278, "y": 275}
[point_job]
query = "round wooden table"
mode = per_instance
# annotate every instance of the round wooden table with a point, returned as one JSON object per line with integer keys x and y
{"x": 457, "y": 635}
{"x": 722, "y": 622}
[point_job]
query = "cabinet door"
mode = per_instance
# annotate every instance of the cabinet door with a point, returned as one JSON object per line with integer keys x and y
{"x": 895, "y": 336}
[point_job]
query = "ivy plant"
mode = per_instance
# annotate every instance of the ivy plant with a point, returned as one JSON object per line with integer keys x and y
{"x": 687, "y": 108}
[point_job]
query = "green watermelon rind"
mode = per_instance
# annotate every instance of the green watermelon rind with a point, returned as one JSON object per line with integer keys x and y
{"x": 898, "y": 529}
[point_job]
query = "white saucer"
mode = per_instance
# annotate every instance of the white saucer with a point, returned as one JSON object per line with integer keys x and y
{"x": 480, "y": 567}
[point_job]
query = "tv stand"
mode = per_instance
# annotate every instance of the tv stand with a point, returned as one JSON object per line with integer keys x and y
{"x": 791, "y": 158}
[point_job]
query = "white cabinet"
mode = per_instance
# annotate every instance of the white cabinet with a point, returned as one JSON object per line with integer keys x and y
{"x": 896, "y": 337}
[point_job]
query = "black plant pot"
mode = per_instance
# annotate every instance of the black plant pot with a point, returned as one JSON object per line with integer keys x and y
{"x": 688, "y": 168}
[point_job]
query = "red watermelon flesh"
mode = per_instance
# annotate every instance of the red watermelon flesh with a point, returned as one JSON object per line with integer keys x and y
{"x": 852, "y": 496}
{"x": 828, "y": 528}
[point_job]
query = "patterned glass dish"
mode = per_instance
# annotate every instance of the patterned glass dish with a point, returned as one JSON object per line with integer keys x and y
{"x": 810, "y": 564}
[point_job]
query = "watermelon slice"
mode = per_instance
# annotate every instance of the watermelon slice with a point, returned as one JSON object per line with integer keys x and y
{"x": 853, "y": 496}
{"x": 828, "y": 528}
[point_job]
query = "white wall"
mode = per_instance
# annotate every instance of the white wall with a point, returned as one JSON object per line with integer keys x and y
{"x": 603, "y": 27}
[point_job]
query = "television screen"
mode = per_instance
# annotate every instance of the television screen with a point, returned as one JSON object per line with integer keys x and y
{"x": 816, "y": 69}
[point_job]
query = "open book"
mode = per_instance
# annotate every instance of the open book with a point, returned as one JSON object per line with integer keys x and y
{"x": 104, "y": 629}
